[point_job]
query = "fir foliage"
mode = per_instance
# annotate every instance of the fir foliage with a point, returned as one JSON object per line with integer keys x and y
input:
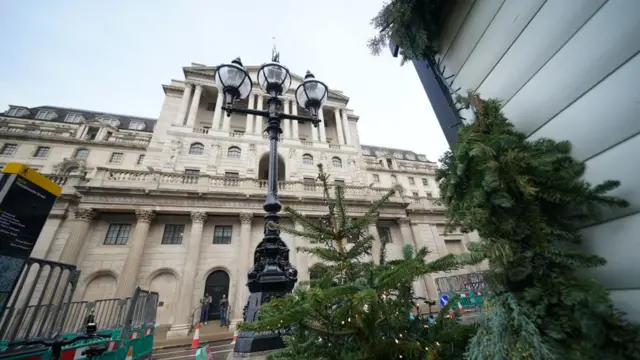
{"x": 414, "y": 25}
{"x": 528, "y": 201}
{"x": 358, "y": 309}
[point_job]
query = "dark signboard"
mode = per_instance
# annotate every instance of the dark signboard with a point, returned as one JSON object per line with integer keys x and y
{"x": 26, "y": 198}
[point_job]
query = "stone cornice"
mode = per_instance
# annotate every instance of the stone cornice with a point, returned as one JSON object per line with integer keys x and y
{"x": 91, "y": 143}
{"x": 114, "y": 199}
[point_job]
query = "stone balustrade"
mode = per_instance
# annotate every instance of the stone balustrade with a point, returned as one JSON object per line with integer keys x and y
{"x": 15, "y": 129}
{"x": 132, "y": 179}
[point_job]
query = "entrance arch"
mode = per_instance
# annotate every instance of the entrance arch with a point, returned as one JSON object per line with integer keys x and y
{"x": 216, "y": 285}
{"x": 165, "y": 284}
{"x": 263, "y": 167}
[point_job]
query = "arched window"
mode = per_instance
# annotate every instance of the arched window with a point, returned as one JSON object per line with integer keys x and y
{"x": 81, "y": 154}
{"x": 234, "y": 152}
{"x": 196, "y": 149}
{"x": 336, "y": 162}
{"x": 317, "y": 271}
{"x": 307, "y": 159}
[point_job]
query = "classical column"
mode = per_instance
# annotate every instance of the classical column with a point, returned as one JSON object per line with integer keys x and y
{"x": 323, "y": 130}
{"x": 407, "y": 238}
{"x": 195, "y": 103}
{"x": 258, "y": 128}
{"x": 302, "y": 259}
{"x": 375, "y": 249}
{"x": 217, "y": 113}
{"x": 287, "y": 122}
{"x": 248, "y": 128}
{"x": 129, "y": 272}
{"x": 183, "y": 310}
{"x": 345, "y": 127}
{"x": 226, "y": 121}
{"x": 182, "y": 110}
{"x": 242, "y": 269}
{"x": 314, "y": 132}
{"x": 79, "y": 231}
{"x": 294, "y": 111}
{"x": 336, "y": 114}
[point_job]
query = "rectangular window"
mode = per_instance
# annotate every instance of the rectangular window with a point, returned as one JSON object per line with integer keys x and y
{"x": 389, "y": 163}
{"x": 191, "y": 172}
{"x": 73, "y": 118}
{"x": 140, "y": 159}
{"x": 425, "y": 182}
{"x": 415, "y": 194}
{"x": 42, "y": 151}
{"x": 116, "y": 158}
{"x": 45, "y": 115}
{"x": 429, "y": 195}
{"x": 8, "y": 149}
{"x": 211, "y": 106}
{"x": 454, "y": 246}
{"x": 385, "y": 234}
{"x": 376, "y": 178}
{"x": 118, "y": 234}
{"x": 92, "y": 133}
{"x": 412, "y": 181}
{"x": 222, "y": 234}
{"x": 173, "y": 234}
{"x": 16, "y": 112}
{"x": 338, "y": 182}
{"x": 231, "y": 174}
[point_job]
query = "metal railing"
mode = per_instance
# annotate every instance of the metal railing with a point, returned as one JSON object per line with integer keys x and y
{"x": 39, "y": 305}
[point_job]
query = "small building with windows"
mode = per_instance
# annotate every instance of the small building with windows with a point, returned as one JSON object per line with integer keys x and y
{"x": 169, "y": 204}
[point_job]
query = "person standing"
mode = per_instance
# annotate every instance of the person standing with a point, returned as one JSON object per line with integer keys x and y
{"x": 204, "y": 313}
{"x": 224, "y": 306}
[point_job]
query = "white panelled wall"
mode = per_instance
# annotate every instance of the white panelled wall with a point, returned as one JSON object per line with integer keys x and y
{"x": 567, "y": 70}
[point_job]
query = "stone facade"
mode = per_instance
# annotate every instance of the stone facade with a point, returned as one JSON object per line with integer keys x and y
{"x": 167, "y": 204}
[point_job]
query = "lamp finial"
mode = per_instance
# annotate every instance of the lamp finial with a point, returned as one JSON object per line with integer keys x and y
{"x": 275, "y": 55}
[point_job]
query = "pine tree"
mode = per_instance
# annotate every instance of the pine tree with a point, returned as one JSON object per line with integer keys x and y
{"x": 527, "y": 201}
{"x": 358, "y": 309}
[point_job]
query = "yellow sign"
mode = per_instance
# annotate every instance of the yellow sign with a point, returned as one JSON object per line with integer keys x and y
{"x": 33, "y": 176}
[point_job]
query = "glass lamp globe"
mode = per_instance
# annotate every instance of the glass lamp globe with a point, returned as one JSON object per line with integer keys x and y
{"x": 312, "y": 94}
{"x": 273, "y": 77}
{"x": 233, "y": 81}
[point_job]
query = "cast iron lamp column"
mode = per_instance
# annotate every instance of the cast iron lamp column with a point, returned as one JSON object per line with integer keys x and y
{"x": 272, "y": 274}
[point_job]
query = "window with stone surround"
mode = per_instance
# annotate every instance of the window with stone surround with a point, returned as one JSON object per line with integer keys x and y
{"x": 173, "y": 234}
{"x": 191, "y": 172}
{"x": 338, "y": 182}
{"x": 376, "y": 178}
{"x": 394, "y": 179}
{"x": 8, "y": 149}
{"x": 46, "y": 115}
{"x": 425, "y": 182}
{"x": 222, "y": 234}
{"x": 196, "y": 149}
{"x": 307, "y": 159}
{"x": 415, "y": 194}
{"x": 137, "y": 125}
{"x": 81, "y": 154}
{"x": 140, "y": 160}
{"x": 15, "y": 111}
{"x": 234, "y": 152}
{"x": 385, "y": 234}
{"x": 116, "y": 158}
{"x": 41, "y": 152}
{"x": 336, "y": 162}
{"x": 412, "y": 181}
{"x": 73, "y": 118}
{"x": 118, "y": 234}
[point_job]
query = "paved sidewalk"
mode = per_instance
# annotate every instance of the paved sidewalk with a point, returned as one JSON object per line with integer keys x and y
{"x": 208, "y": 333}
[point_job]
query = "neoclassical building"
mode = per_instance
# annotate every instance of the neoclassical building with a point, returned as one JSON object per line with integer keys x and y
{"x": 174, "y": 204}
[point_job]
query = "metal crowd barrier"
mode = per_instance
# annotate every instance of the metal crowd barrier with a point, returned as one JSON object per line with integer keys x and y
{"x": 41, "y": 308}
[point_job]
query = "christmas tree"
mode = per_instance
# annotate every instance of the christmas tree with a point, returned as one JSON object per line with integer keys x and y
{"x": 359, "y": 309}
{"x": 527, "y": 201}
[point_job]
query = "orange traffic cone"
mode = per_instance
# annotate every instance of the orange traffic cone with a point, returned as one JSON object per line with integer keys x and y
{"x": 235, "y": 337}
{"x": 195, "y": 343}
{"x": 129, "y": 353}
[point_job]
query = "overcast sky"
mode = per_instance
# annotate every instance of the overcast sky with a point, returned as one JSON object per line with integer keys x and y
{"x": 113, "y": 56}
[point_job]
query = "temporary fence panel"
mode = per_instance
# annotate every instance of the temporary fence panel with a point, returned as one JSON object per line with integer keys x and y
{"x": 470, "y": 289}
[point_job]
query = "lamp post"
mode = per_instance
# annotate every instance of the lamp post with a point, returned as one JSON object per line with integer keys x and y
{"x": 272, "y": 275}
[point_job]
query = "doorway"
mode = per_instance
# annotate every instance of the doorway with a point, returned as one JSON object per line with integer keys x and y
{"x": 217, "y": 284}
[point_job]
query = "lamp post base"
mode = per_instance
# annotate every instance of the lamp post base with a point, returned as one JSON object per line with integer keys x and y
{"x": 254, "y": 342}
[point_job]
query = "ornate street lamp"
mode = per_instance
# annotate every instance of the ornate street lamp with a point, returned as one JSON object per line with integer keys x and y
{"x": 272, "y": 275}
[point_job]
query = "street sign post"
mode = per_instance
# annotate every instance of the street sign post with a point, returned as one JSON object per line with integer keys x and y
{"x": 26, "y": 199}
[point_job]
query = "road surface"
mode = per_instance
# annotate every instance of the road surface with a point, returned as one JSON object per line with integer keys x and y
{"x": 219, "y": 349}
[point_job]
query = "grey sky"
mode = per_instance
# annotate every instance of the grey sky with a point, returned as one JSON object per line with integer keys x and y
{"x": 114, "y": 55}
